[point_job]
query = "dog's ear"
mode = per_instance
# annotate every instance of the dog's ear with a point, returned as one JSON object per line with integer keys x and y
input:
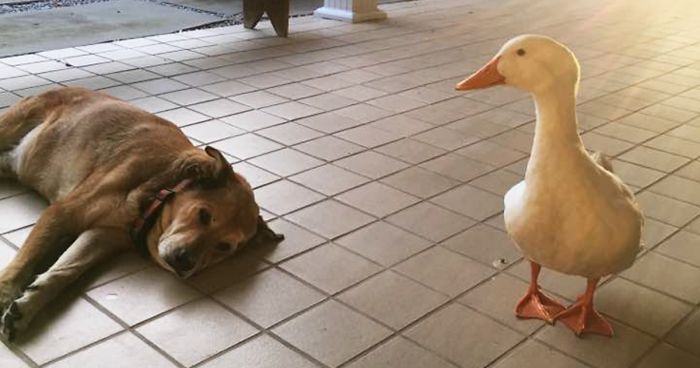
{"x": 223, "y": 168}
{"x": 264, "y": 234}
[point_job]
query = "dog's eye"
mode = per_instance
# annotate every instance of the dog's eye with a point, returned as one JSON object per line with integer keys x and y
{"x": 204, "y": 216}
{"x": 223, "y": 247}
{"x": 520, "y": 52}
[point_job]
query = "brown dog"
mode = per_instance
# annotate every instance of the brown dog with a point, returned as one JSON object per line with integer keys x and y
{"x": 100, "y": 162}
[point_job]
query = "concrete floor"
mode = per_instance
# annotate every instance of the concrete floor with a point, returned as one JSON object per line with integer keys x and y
{"x": 388, "y": 185}
{"x": 60, "y": 27}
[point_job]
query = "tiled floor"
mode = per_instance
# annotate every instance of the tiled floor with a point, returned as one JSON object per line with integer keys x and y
{"x": 388, "y": 185}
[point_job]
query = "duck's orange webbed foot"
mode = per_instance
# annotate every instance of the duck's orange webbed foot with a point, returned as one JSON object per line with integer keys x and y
{"x": 581, "y": 317}
{"x": 537, "y": 305}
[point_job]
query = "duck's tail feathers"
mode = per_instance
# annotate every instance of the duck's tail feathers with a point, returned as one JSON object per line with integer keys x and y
{"x": 603, "y": 160}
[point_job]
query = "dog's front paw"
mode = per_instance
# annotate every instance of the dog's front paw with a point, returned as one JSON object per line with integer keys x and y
{"x": 10, "y": 322}
{"x": 8, "y": 294}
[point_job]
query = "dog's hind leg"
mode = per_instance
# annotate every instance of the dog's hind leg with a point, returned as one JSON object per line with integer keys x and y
{"x": 89, "y": 249}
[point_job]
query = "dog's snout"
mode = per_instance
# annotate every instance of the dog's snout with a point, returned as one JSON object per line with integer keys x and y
{"x": 181, "y": 260}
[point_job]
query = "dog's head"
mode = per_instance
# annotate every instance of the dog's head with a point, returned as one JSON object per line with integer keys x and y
{"x": 207, "y": 222}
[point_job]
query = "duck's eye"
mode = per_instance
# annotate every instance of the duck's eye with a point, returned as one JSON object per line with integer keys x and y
{"x": 223, "y": 247}
{"x": 204, "y": 216}
{"x": 520, "y": 52}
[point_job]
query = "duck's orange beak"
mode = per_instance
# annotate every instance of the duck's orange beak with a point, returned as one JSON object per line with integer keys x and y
{"x": 487, "y": 76}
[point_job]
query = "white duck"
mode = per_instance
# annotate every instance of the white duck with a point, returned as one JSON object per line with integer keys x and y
{"x": 570, "y": 214}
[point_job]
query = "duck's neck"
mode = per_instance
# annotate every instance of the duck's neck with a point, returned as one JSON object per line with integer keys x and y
{"x": 556, "y": 134}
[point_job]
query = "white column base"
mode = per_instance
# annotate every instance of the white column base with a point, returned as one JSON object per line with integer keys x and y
{"x": 345, "y": 10}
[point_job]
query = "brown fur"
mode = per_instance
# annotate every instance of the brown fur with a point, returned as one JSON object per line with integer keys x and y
{"x": 99, "y": 160}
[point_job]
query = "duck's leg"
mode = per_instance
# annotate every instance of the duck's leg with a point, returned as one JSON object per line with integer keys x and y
{"x": 535, "y": 304}
{"x": 582, "y": 317}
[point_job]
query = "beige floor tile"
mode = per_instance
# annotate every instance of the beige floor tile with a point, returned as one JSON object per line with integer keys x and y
{"x": 383, "y": 243}
{"x": 469, "y": 201}
{"x": 666, "y": 209}
{"x": 10, "y": 188}
{"x": 321, "y": 266}
{"x": 125, "y": 297}
{"x": 9, "y": 359}
{"x": 259, "y": 99}
{"x": 457, "y": 167}
{"x": 210, "y": 131}
{"x": 296, "y": 240}
{"x": 160, "y": 86}
{"x": 420, "y": 182}
{"x": 667, "y": 275}
{"x": 269, "y": 297}
{"x": 330, "y": 218}
{"x": 655, "y": 232}
{"x": 665, "y": 355}
{"x": 497, "y": 182}
{"x": 71, "y": 321}
{"x": 124, "y": 350}
{"x": 261, "y": 352}
{"x": 329, "y": 148}
{"x": 225, "y": 273}
{"x": 610, "y": 146}
{"x": 430, "y": 221}
{"x": 669, "y": 113}
{"x": 640, "y": 307}
{"x": 411, "y": 151}
{"x": 445, "y": 271}
{"x": 189, "y": 96}
{"x": 196, "y": 331}
{"x": 289, "y": 133}
{"x": 252, "y": 120}
{"x": 329, "y": 122}
{"x": 292, "y": 110}
{"x": 400, "y": 353}
{"x": 371, "y": 164}
{"x": 396, "y": 103}
{"x": 199, "y": 78}
{"x": 690, "y": 171}
{"x": 228, "y": 88}
{"x": 678, "y": 188}
{"x": 636, "y": 175}
{"x": 246, "y": 146}
{"x": 485, "y": 244}
{"x": 295, "y": 91}
{"x": 627, "y": 346}
{"x": 497, "y": 298}
{"x": 286, "y": 162}
{"x": 377, "y": 199}
{"x": 363, "y": 113}
{"x": 329, "y": 179}
{"x": 675, "y": 145}
{"x": 332, "y": 333}
{"x": 686, "y": 335}
{"x": 183, "y": 116}
{"x": 402, "y": 125}
{"x": 683, "y": 246}
{"x": 449, "y": 332}
{"x": 219, "y": 108}
{"x": 515, "y": 139}
{"x": 648, "y": 122}
{"x": 328, "y": 101}
{"x": 402, "y": 302}
{"x": 284, "y": 196}
{"x": 254, "y": 175}
{"x": 533, "y": 354}
{"x": 446, "y": 138}
{"x": 490, "y": 153}
{"x": 368, "y": 136}
{"x": 20, "y": 211}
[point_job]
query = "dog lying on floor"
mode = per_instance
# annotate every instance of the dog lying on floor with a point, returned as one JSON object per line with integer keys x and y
{"x": 116, "y": 177}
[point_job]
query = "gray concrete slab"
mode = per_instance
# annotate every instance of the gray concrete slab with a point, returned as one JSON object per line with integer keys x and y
{"x": 40, "y": 30}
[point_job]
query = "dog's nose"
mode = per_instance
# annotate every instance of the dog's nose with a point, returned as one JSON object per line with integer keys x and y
{"x": 181, "y": 260}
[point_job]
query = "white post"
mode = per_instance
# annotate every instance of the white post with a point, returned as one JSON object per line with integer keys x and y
{"x": 350, "y": 10}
